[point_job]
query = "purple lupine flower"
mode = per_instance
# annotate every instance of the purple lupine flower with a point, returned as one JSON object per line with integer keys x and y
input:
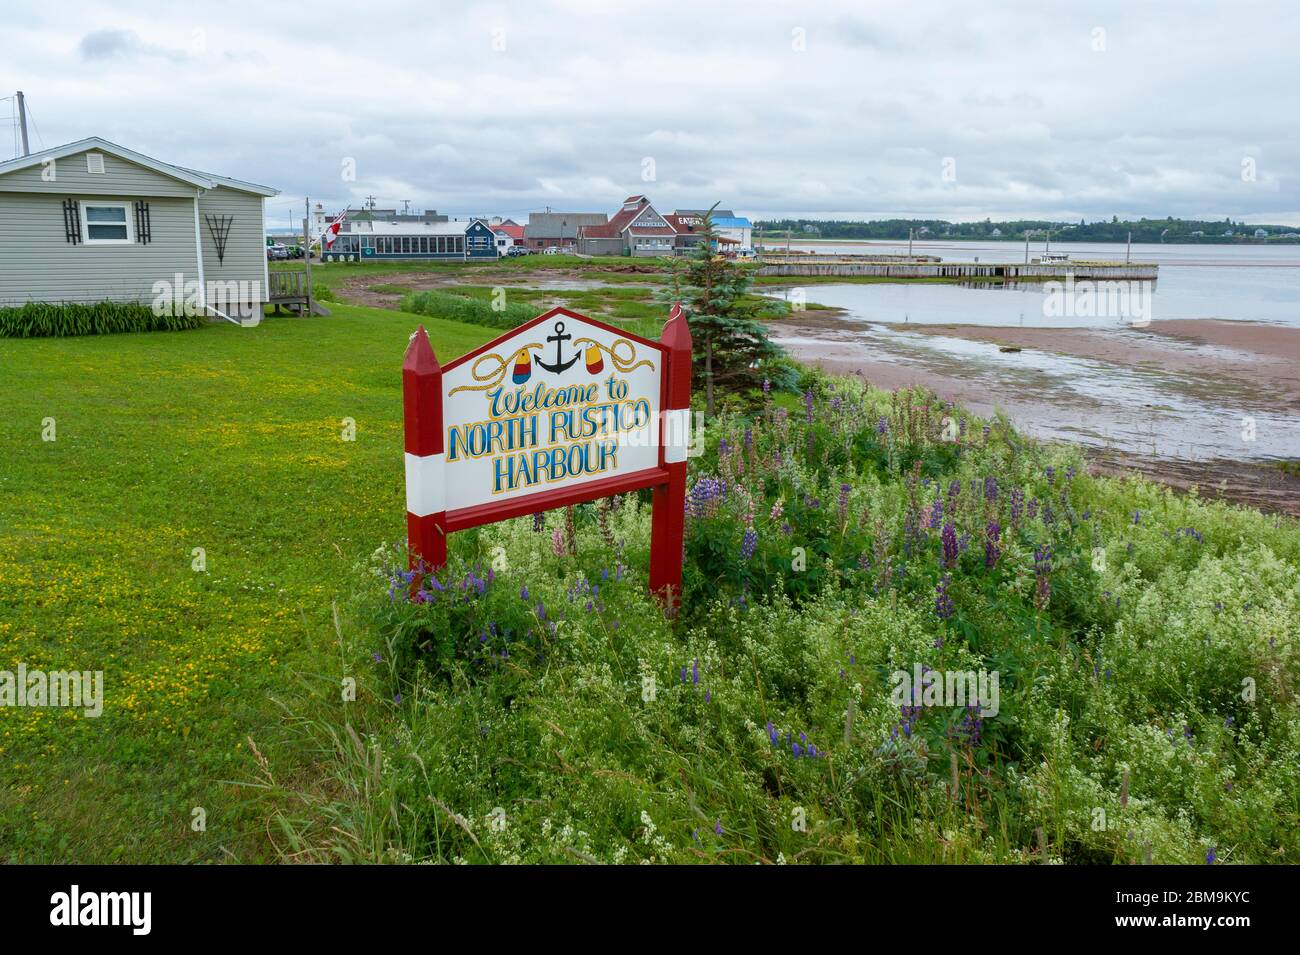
{"x": 539, "y": 521}
{"x": 767, "y": 386}
{"x": 844, "y": 503}
{"x": 882, "y": 426}
{"x": 936, "y": 514}
{"x": 808, "y": 405}
{"x": 749, "y": 440}
{"x": 1043, "y": 572}
{"x": 991, "y": 489}
{"x": 748, "y": 543}
{"x": 943, "y": 606}
{"x": 772, "y": 734}
{"x": 992, "y": 536}
{"x": 376, "y": 657}
{"x": 1210, "y": 856}
{"x": 717, "y": 828}
{"x": 949, "y": 545}
{"x": 1017, "y": 504}
{"x": 695, "y": 671}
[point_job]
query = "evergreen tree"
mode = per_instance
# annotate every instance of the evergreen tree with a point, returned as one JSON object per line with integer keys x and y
{"x": 731, "y": 344}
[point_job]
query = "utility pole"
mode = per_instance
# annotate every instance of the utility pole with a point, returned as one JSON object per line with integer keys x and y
{"x": 1026, "y": 247}
{"x": 1128, "y": 251}
{"x": 306, "y": 238}
{"x": 22, "y": 122}
{"x": 909, "y": 243}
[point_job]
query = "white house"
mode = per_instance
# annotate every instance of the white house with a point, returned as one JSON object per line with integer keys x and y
{"x": 94, "y": 221}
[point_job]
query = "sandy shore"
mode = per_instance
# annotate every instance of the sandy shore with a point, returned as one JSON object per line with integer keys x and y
{"x": 1267, "y": 356}
{"x": 1232, "y": 364}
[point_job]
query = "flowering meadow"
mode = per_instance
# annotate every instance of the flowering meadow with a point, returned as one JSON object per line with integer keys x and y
{"x": 531, "y": 703}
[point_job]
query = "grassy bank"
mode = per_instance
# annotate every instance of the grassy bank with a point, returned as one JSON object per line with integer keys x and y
{"x": 222, "y": 438}
{"x": 532, "y": 704}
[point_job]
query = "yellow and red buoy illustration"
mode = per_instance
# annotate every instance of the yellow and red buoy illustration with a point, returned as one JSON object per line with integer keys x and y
{"x": 594, "y": 362}
{"x": 523, "y": 367}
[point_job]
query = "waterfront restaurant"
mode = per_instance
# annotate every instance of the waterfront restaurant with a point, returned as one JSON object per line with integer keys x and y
{"x": 373, "y": 241}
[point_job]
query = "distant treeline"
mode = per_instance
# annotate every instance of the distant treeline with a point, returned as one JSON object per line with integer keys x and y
{"x": 1143, "y": 230}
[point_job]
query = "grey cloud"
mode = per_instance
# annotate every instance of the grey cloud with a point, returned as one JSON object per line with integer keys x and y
{"x": 121, "y": 44}
{"x": 1039, "y": 125}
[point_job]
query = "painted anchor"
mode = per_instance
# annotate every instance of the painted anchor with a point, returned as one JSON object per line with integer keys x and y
{"x": 559, "y": 365}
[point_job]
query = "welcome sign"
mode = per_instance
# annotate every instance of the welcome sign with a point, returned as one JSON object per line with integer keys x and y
{"x": 555, "y": 403}
{"x": 562, "y": 409}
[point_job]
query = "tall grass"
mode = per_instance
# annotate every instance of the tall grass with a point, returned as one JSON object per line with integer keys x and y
{"x": 533, "y": 704}
{"x": 459, "y": 308}
{"x": 64, "y": 319}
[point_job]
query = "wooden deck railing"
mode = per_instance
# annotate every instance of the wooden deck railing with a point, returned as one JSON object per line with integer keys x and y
{"x": 288, "y": 285}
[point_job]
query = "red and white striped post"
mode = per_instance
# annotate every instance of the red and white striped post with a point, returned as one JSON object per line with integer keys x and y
{"x": 426, "y": 490}
{"x": 668, "y": 519}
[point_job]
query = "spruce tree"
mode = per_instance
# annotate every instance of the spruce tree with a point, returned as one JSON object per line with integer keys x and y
{"x": 731, "y": 344}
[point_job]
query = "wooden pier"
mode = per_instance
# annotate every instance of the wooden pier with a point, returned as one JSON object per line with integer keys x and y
{"x": 850, "y": 266}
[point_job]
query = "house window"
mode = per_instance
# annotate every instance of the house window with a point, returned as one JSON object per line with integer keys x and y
{"x": 105, "y": 223}
{"x": 424, "y": 245}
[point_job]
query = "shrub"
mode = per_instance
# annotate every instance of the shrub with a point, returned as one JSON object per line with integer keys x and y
{"x": 461, "y": 308}
{"x": 58, "y": 320}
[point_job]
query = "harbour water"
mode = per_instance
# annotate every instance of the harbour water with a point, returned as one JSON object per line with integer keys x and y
{"x": 1156, "y": 388}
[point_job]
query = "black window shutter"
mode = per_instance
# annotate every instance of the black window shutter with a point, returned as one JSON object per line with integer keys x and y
{"x": 143, "y": 227}
{"x": 71, "y": 221}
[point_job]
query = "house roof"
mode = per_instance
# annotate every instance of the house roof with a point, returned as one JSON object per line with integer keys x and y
{"x": 380, "y": 227}
{"x": 201, "y": 180}
{"x": 625, "y": 219}
{"x": 545, "y": 225}
{"x": 510, "y": 229}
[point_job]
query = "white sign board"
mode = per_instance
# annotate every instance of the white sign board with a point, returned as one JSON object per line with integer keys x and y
{"x": 558, "y": 402}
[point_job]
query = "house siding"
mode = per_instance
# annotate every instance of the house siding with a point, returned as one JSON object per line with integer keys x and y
{"x": 119, "y": 178}
{"x": 245, "y": 259}
{"x": 38, "y": 264}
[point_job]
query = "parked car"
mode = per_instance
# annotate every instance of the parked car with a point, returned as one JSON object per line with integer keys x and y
{"x": 552, "y": 250}
{"x": 277, "y": 252}
{"x": 296, "y": 251}
{"x": 516, "y": 250}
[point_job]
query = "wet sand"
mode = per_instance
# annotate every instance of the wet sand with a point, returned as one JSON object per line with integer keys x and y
{"x": 1268, "y": 356}
{"x": 1219, "y": 362}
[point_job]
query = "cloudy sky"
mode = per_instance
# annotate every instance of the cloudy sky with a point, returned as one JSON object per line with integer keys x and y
{"x": 853, "y": 110}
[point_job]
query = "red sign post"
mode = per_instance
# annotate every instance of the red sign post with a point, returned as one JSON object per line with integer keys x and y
{"x": 561, "y": 410}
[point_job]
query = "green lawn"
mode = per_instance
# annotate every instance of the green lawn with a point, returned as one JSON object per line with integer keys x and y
{"x": 222, "y": 438}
